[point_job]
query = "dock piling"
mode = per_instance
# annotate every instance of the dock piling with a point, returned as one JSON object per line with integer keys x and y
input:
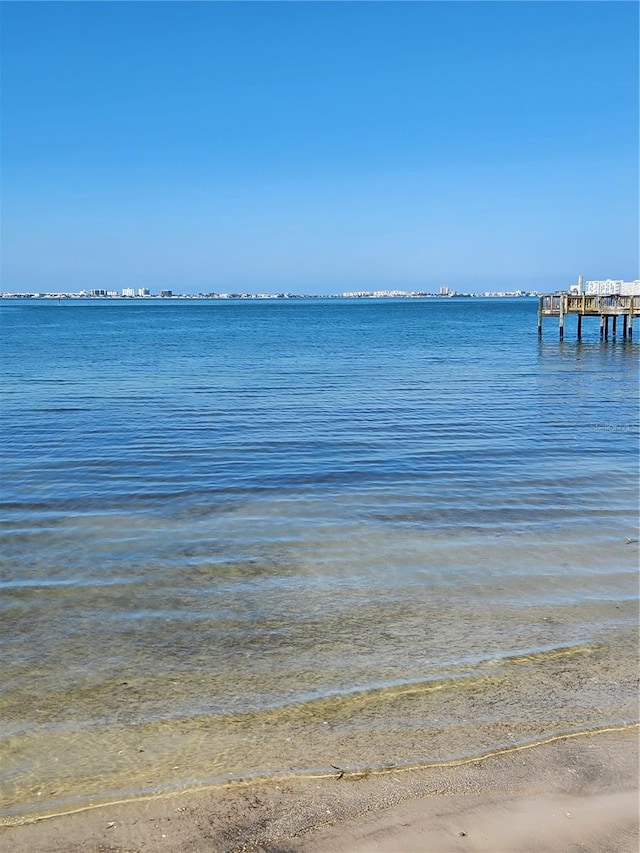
{"x": 540, "y": 318}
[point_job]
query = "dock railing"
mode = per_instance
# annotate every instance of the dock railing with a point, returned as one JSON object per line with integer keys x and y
{"x": 588, "y": 305}
{"x": 583, "y": 303}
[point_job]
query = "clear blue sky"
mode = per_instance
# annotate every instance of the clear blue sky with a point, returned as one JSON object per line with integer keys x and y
{"x": 318, "y": 147}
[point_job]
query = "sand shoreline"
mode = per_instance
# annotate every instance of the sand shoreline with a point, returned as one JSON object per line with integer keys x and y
{"x": 575, "y": 792}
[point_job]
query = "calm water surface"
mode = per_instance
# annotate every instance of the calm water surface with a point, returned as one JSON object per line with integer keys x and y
{"x": 252, "y": 538}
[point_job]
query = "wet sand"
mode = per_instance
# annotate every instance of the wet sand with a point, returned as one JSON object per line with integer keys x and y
{"x": 571, "y": 793}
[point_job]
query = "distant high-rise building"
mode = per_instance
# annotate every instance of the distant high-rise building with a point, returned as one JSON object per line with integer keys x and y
{"x": 143, "y": 291}
{"x": 611, "y": 287}
{"x": 128, "y": 291}
{"x": 166, "y": 293}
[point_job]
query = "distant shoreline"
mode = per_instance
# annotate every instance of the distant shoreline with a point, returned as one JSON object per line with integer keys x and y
{"x": 221, "y": 297}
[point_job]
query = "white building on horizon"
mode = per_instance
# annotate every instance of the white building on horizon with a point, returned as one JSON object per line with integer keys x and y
{"x": 606, "y": 287}
{"x": 613, "y": 287}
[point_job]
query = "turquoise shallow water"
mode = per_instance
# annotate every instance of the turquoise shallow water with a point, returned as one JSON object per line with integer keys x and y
{"x": 251, "y": 538}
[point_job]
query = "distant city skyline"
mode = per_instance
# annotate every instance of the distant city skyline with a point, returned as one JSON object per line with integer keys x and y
{"x": 318, "y": 147}
{"x": 605, "y": 287}
{"x": 129, "y": 293}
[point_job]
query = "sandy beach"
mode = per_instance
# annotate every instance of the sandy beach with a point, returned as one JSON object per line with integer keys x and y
{"x": 570, "y": 793}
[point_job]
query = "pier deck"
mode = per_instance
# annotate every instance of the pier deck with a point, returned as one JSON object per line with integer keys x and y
{"x": 584, "y": 305}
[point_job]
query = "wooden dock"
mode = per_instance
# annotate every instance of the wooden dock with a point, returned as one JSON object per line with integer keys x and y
{"x": 606, "y": 308}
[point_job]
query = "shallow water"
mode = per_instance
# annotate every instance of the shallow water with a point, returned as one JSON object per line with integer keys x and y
{"x": 251, "y": 538}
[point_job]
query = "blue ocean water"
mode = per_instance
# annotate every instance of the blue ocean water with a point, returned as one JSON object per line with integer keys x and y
{"x": 244, "y": 538}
